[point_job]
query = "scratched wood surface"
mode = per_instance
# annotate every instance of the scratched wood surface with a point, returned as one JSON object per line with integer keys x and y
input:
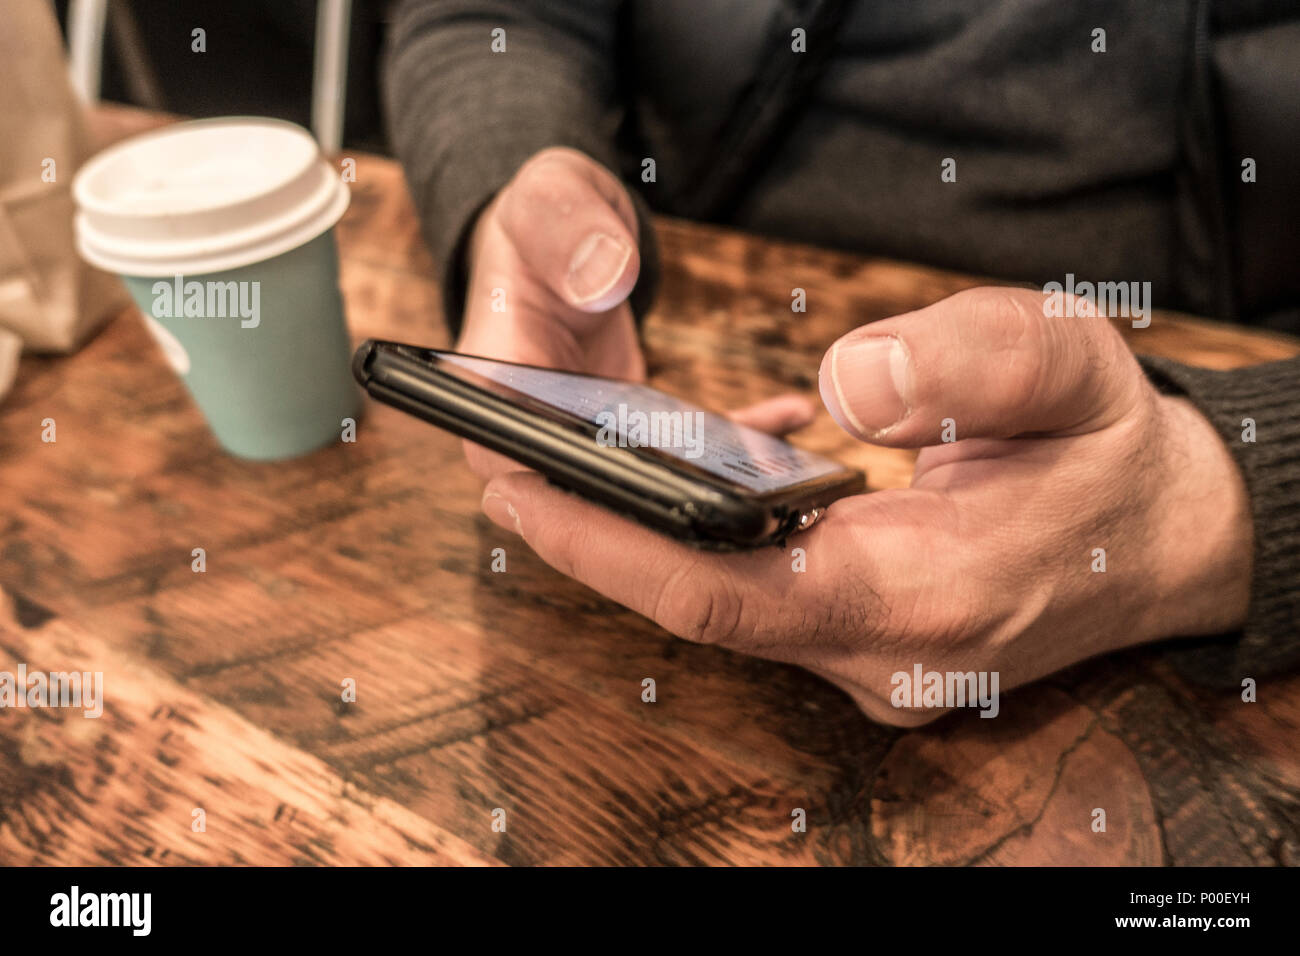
{"x": 521, "y": 691}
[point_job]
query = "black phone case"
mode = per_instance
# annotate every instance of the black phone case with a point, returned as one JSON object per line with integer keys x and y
{"x": 648, "y": 490}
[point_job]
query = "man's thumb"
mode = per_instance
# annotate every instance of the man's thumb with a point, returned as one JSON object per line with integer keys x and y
{"x": 984, "y": 363}
{"x": 575, "y": 228}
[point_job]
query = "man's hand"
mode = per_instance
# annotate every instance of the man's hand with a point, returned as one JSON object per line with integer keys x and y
{"x": 989, "y": 562}
{"x": 552, "y": 260}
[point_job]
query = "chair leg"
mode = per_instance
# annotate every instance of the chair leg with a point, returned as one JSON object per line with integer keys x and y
{"x": 86, "y": 47}
{"x": 330, "y": 81}
{"x": 141, "y": 79}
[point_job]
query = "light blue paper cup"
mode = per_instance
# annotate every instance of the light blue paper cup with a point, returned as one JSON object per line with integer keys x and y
{"x": 222, "y": 231}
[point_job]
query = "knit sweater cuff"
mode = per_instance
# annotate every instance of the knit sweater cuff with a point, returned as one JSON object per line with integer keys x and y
{"x": 1256, "y": 410}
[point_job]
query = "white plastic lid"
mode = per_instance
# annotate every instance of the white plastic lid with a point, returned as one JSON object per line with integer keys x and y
{"x": 205, "y": 196}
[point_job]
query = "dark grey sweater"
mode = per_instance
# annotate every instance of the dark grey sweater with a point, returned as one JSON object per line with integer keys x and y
{"x": 1122, "y": 165}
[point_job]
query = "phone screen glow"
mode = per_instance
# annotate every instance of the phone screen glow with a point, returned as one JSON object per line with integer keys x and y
{"x": 632, "y": 415}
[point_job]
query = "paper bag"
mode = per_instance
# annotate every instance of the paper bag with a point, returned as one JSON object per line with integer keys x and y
{"x": 49, "y": 298}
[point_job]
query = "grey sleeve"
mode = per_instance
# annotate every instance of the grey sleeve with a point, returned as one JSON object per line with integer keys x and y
{"x": 1268, "y": 395}
{"x": 462, "y": 117}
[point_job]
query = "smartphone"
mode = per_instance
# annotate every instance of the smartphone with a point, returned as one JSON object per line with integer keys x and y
{"x": 666, "y": 463}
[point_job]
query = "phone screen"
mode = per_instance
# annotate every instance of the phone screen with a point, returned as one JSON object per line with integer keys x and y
{"x": 626, "y": 414}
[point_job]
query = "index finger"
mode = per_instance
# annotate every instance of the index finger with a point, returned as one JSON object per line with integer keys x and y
{"x": 743, "y": 600}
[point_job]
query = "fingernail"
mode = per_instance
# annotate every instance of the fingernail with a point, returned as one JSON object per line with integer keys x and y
{"x": 501, "y": 512}
{"x": 596, "y": 266}
{"x": 865, "y": 383}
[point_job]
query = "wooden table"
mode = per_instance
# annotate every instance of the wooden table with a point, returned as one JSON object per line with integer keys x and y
{"x": 522, "y": 691}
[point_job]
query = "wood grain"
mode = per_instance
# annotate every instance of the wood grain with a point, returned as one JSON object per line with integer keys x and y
{"x": 520, "y": 692}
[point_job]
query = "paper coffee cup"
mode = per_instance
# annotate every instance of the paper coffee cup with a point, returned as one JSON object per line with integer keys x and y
{"x": 223, "y": 231}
